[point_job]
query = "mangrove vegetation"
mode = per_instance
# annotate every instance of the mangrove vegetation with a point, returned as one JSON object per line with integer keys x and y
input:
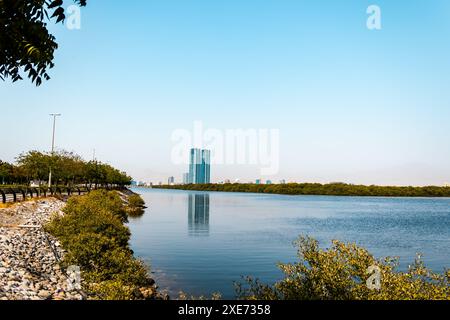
{"x": 92, "y": 231}
{"x": 347, "y": 272}
{"x": 332, "y": 189}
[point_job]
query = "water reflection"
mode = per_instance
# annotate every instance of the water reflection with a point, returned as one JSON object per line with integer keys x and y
{"x": 198, "y": 214}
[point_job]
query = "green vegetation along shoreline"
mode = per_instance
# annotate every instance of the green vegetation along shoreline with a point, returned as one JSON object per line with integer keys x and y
{"x": 346, "y": 271}
{"x": 93, "y": 233}
{"x": 332, "y": 189}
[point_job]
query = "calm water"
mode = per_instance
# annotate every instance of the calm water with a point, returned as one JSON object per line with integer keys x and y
{"x": 202, "y": 242}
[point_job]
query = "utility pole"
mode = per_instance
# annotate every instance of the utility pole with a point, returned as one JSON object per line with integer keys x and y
{"x": 54, "y": 115}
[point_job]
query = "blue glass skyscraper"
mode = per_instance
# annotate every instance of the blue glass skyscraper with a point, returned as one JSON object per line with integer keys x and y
{"x": 200, "y": 166}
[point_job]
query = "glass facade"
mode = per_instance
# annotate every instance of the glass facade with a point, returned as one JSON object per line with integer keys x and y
{"x": 200, "y": 166}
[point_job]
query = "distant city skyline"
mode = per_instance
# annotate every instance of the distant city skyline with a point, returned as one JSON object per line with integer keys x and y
{"x": 351, "y": 104}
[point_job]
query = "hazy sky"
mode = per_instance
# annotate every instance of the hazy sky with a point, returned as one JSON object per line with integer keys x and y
{"x": 351, "y": 104}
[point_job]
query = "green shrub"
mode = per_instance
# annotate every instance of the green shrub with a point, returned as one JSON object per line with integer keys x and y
{"x": 106, "y": 200}
{"x": 183, "y": 296}
{"x": 136, "y": 205}
{"x": 93, "y": 233}
{"x": 91, "y": 214}
{"x": 127, "y": 269}
{"x": 115, "y": 290}
{"x": 340, "y": 273}
{"x": 118, "y": 290}
{"x": 87, "y": 250}
{"x": 135, "y": 200}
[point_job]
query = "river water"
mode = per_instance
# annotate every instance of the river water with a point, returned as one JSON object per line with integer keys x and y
{"x": 202, "y": 242}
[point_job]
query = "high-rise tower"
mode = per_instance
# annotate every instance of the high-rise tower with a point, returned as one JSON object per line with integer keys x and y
{"x": 200, "y": 166}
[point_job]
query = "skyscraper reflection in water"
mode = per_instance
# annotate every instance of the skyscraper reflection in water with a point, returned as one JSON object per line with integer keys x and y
{"x": 198, "y": 214}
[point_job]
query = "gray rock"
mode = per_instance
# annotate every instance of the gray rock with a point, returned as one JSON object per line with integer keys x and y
{"x": 29, "y": 269}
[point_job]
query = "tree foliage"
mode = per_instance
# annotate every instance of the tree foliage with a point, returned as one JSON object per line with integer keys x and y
{"x": 93, "y": 233}
{"x": 332, "y": 189}
{"x": 6, "y": 172}
{"x": 25, "y": 42}
{"x": 341, "y": 273}
{"x": 68, "y": 168}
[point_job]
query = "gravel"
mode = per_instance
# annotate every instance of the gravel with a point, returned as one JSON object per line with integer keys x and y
{"x": 29, "y": 257}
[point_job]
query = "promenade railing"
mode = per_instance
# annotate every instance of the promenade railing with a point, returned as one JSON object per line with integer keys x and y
{"x": 11, "y": 194}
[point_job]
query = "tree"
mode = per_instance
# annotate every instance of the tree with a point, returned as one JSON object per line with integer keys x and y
{"x": 35, "y": 164}
{"x": 342, "y": 272}
{"x": 6, "y": 172}
{"x": 25, "y": 43}
{"x": 68, "y": 169}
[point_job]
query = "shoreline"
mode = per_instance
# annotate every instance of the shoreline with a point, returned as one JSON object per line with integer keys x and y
{"x": 30, "y": 257}
{"x": 316, "y": 189}
{"x": 32, "y": 265}
{"x": 294, "y": 195}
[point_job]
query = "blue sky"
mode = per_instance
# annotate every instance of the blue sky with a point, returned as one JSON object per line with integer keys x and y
{"x": 351, "y": 104}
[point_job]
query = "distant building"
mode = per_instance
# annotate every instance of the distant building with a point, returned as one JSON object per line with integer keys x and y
{"x": 269, "y": 182}
{"x": 283, "y": 181}
{"x": 200, "y": 166}
{"x": 258, "y": 181}
{"x": 133, "y": 183}
{"x": 186, "y": 178}
{"x": 171, "y": 181}
{"x": 227, "y": 181}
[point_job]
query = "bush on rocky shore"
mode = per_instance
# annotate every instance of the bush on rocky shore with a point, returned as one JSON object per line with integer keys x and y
{"x": 341, "y": 273}
{"x": 136, "y": 205}
{"x": 93, "y": 233}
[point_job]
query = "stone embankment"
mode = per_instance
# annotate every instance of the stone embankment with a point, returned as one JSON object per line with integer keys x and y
{"x": 29, "y": 257}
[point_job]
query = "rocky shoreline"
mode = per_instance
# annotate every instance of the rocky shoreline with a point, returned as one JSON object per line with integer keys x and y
{"x": 29, "y": 257}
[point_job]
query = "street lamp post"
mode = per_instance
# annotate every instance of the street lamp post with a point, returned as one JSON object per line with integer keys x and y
{"x": 54, "y": 115}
